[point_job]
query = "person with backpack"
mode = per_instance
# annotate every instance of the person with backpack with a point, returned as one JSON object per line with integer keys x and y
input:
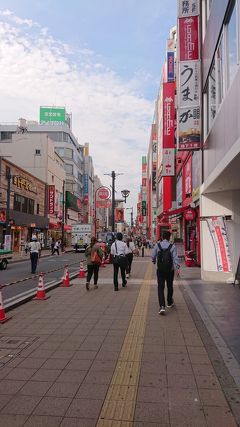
{"x": 94, "y": 254}
{"x": 165, "y": 254}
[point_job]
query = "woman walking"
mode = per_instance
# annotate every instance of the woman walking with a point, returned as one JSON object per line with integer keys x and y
{"x": 94, "y": 254}
{"x": 129, "y": 254}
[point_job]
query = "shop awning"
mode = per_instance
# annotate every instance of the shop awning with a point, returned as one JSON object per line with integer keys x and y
{"x": 172, "y": 212}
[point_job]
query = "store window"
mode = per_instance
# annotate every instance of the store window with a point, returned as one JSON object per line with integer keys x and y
{"x": 232, "y": 44}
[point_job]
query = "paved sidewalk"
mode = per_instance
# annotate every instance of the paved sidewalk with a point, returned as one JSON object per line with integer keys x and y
{"x": 105, "y": 358}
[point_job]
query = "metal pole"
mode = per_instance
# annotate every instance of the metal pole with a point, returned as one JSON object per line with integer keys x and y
{"x": 95, "y": 213}
{"x": 132, "y": 218}
{"x": 63, "y": 215}
{"x": 113, "y": 201}
{"x": 8, "y": 203}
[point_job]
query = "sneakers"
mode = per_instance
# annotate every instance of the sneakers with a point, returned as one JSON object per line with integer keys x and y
{"x": 95, "y": 286}
{"x": 162, "y": 310}
{"x": 170, "y": 305}
{"x": 124, "y": 284}
{"x": 87, "y": 286}
{"x": 127, "y": 276}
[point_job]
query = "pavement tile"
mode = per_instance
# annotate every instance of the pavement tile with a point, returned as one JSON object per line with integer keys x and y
{"x": 209, "y": 381}
{"x": 103, "y": 365}
{"x": 41, "y": 353}
{"x": 107, "y": 347}
{"x": 176, "y": 368}
{"x": 206, "y": 369}
{"x": 63, "y": 389}
{"x": 85, "y": 408}
{"x": 46, "y": 375}
{"x": 10, "y": 386}
{"x": 55, "y": 363}
{"x": 72, "y": 376}
{"x": 187, "y": 416}
{"x": 20, "y": 374}
{"x": 35, "y": 388}
{"x": 49, "y": 345}
{"x": 54, "y": 406}
{"x": 12, "y": 420}
{"x": 15, "y": 361}
{"x": 152, "y": 394}
{"x": 5, "y": 371}
{"x": 4, "y": 399}
{"x": 99, "y": 377}
{"x": 152, "y": 412}
{"x": 62, "y": 354}
{"x": 85, "y": 354}
{"x": 147, "y": 424}
{"x": 31, "y": 362}
{"x": 220, "y": 417}
{"x": 78, "y": 422}
{"x": 79, "y": 364}
{"x": 153, "y": 367}
{"x": 212, "y": 397}
{"x": 107, "y": 355}
{"x": 158, "y": 358}
{"x": 153, "y": 380}
{"x": 92, "y": 391}
{"x": 181, "y": 381}
{"x": 154, "y": 348}
{"x": 43, "y": 421}
{"x": 183, "y": 396}
{"x": 21, "y": 405}
{"x": 199, "y": 359}
{"x": 196, "y": 350}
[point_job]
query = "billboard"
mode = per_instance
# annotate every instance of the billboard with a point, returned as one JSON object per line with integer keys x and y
{"x": 168, "y": 168}
{"x": 168, "y": 115}
{"x": 170, "y": 66}
{"x": 85, "y": 183}
{"x": 119, "y": 215}
{"x": 52, "y": 114}
{"x": 189, "y": 84}
{"x": 188, "y": 38}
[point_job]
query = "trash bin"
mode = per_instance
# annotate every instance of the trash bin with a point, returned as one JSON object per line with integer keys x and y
{"x": 189, "y": 259}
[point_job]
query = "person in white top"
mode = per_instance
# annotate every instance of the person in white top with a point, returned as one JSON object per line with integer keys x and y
{"x": 118, "y": 252}
{"x": 129, "y": 255}
{"x": 35, "y": 249}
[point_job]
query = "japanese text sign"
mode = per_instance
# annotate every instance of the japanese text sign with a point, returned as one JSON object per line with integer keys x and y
{"x": 168, "y": 115}
{"x": 189, "y": 84}
{"x": 168, "y": 162}
{"x": 188, "y": 38}
{"x": 188, "y": 7}
{"x": 51, "y": 199}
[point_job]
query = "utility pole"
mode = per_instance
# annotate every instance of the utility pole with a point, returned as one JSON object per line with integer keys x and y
{"x": 63, "y": 214}
{"x": 113, "y": 175}
{"x": 8, "y": 176}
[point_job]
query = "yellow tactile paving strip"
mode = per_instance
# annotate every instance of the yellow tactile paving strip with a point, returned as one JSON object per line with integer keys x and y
{"x": 119, "y": 405}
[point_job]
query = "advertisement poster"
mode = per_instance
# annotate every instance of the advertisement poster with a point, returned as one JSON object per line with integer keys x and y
{"x": 170, "y": 66}
{"x": 189, "y": 128}
{"x": 189, "y": 85}
{"x": 188, "y": 38}
{"x": 119, "y": 215}
{"x": 168, "y": 114}
{"x": 7, "y": 242}
{"x": 2, "y": 216}
{"x": 218, "y": 232}
{"x": 168, "y": 168}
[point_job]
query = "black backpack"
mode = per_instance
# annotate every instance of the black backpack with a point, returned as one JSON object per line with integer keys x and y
{"x": 164, "y": 259}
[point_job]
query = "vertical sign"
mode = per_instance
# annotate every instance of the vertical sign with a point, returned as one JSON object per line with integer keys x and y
{"x": 168, "y": 115}
{"x": 85, "y": 184}
{"x": 218, "y": 231}
{"x": 168, "y": 162}
{"x": 170, "y": 66}
{"x": 51, "y": 199}
{"x": 189, "y": 77}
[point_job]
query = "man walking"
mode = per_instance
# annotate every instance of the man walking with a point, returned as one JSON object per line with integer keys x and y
{"x": 165, "y": 254}
{"x": 35, "y": 249}
{"x": 118, "y": 253}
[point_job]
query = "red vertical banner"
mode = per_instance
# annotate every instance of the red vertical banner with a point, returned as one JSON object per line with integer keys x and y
{"x": 51, "y": 199}
{"x": 188, "y": 38}
{"x": 168, "y": 114}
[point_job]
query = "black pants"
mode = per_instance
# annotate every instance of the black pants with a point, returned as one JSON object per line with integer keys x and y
{"x": 34, "y": 260}
{"x": 92, "y": 269}
{"x": 115, "y": 274}
{"x": 162, "y": 278}
{"x": 129, "y": 262}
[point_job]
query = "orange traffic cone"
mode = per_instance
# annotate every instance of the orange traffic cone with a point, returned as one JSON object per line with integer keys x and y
{"x": 81, "y": 271}
{"x": 3, "y": 317}
{"x": 66, "y": 279}
{"x": 41, "y": 295}
{"x": 103, "y": 261}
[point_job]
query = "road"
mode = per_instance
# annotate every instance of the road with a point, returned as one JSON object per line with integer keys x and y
{"x": 19, "y": 272}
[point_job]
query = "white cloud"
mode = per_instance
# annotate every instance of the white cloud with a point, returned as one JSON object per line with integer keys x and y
{"x": 108, "y": 112}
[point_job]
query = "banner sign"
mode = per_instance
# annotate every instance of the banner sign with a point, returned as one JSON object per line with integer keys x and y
{"x": 188, "y": 8}
{"x": 100, "y": 204}
{"x": 154, "y": 180}
{"x": 119, "y": 215}
{"x": 85, "y": 183}
{"x": 144, "y": 208}
{"x": 189, "y": 38}
{"x": 52, "y": 114}
{"x": 168, "y": 165}
{"x": 218, "y": 232}
{"x": 103, "y": 193}
{"x": 168, "y": 115}
{"x": 189, "y": 85}
{"x": 51, "y": 199}
{"x": 170, "y": 66}
{"x": 2, "y": 216}
{"x": 189, "y": 136}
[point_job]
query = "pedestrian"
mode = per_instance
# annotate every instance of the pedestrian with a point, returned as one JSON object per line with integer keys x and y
{"x": 26, "y": 247}
{"x": 119, "y": 259}
{"x": 35, "y": 249}
{"x": 94, "y": 254}
{"x": 52, "y": 245}
{"x": 56, "y": 247}
{"x": 165, "y": 254}
{"x": 129, "y": 254}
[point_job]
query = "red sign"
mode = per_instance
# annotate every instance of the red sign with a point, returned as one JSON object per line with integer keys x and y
{"x": 168, "y": 115}
{"x": 188, "y": 38}
{"x": 51, "y": 199}
{"x": 104, "y": 193}
{"x": 189, "y": 214}
{"x": 2, "y": 216}
{"x": 119, "y": 215}
{"x": 103, "y": 204}
{"x": 144, "y": 182}
{"x": 85, "y": 199}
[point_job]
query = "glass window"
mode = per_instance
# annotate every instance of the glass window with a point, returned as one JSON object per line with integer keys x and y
{"x": 56, "y": 136}
{"x": 6, "y": 135}
{"x": 31, "y": 206}
{"x": 220, "y": 71}
{"x": 69, "y": 153}
{"x": 60, "y": 151}
{"x": 65, "y": 137}
{"x": 211, "y": 97}
{"x": 232, "y": 44}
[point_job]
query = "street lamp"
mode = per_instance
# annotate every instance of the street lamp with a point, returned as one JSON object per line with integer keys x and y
{"x": 125, "y": 194}
{"x": 113, "y": 175}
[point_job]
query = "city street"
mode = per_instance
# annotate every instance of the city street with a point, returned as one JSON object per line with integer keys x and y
{"x": 51, "y": 266}
{"x": 102, "y": 358}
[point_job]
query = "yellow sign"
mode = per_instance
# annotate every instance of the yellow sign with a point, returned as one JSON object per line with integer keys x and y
{"x": 22, "y": 183}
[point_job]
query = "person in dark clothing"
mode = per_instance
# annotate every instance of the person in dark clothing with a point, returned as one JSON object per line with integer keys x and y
{"x": 129, "y": 254}
{"x": 166, "y": 256}
{"x": 93, "y": 266}
{"x": 118, "y": 251}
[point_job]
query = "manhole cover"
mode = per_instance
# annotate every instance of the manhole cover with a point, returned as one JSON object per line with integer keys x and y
{"x": 11, "y": 347}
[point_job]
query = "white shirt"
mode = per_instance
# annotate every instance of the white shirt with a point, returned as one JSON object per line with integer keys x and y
{"x": 34, "y": 247}
{"x": 131, "y": 248}
{"x": 121, "y": 248}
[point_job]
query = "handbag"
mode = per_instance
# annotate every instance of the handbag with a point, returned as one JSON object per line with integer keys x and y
{"x": 119, "y": 259}
{"x": 95, "y": 258}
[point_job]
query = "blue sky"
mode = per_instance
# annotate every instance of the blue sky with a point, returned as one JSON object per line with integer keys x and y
{"x": 101, "y": 59}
